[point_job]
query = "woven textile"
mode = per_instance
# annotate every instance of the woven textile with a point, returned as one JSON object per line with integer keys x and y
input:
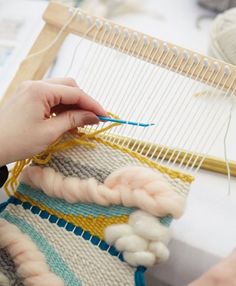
{"x": 71, "y": 236}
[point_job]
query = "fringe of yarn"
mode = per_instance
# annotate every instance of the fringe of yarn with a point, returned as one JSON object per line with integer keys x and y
{"x": 30, "y": 263}
{"x": 142, "y": 240}
{"x": 57, "y": 146}
{"x": 129, "y": 186}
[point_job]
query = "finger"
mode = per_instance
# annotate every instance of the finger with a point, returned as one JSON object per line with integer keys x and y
{"x": 60, "y": 94}
{"x": 62, "y": 80}
{"x": 62, "y": 108}
{"x": 71, "y": 119}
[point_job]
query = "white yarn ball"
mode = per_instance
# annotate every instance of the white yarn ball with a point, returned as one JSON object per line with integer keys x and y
{"x": 223, "y": 37}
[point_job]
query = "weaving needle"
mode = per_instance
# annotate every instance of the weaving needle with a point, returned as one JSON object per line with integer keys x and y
{"x": 108, "y": 119}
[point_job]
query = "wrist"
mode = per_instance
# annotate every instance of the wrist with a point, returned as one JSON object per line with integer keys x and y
{"x": 3, "y": 158}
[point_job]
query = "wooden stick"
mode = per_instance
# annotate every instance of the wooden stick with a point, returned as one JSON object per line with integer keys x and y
{"x": 210, "y": 163}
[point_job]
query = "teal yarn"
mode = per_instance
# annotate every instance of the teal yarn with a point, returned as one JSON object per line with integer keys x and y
{"x": 50, "y": 252}
{"x": 56, "y": 263}
{"x": 74, "y": 209}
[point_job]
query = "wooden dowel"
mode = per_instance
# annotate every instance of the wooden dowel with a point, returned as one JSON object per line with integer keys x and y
{"x": 210, "y": 163}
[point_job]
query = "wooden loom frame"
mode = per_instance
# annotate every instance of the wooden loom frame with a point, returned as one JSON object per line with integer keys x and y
{"x": 56, "y": 15}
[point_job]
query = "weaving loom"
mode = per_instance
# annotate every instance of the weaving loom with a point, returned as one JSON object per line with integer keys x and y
{"x": 95, "y": 207}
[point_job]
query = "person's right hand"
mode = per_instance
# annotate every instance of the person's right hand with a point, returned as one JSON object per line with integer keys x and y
{"x": 26, "y": 124}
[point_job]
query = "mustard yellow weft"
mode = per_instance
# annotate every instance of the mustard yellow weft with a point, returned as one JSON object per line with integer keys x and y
{"x": 95, "y": 225}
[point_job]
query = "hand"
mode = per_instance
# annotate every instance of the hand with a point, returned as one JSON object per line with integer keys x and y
{"x": 26, "y": 124}
{"x": 223, "y": 274}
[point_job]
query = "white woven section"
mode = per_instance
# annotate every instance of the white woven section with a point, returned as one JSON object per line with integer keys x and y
{"x": 90, "y": 264}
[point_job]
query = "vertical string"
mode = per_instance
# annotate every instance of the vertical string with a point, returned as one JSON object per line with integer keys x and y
{"x": 180, "y": 68}
{"x": 213, "y": 122}
{"x": 157, "y": 108}
{"x": 212, "y": 142}
{"x": 228, "y": 122}
{"x": 96, "y": 59}
{"x": 171, "y": 62}
{"x": 174, "y": 118}
{"x": 100, "y": 80}
{"x": 225, "y": 146}
{"x": 77, "y": 48}
{"x": 186, "y": 118}
{"x": 114, "y": 76}
{"x": 86, "y": 57}
{"x": 135, "y": 91}
{"x": 133, "y": 73}
{"x": 105, "y": 68}
{"x": 164, "y": 54}
{"x": 60, "y": 33}
{"x": 126, "y": 67}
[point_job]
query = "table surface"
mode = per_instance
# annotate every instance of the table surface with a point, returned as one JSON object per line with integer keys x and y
{"x": 207, "y": 231}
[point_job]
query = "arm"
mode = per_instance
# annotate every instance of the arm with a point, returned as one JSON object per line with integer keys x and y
{"x": 223, "y": 274}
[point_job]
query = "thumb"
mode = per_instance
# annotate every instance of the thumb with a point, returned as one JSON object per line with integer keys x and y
{"x": 68, "y": 120}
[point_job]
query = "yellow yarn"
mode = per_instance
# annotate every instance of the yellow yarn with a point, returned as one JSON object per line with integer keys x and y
{"x": 83, "y": 139}
{"x": 172, "y": 173}
{"x": 95, "y": 225}
{"x": 45, "y": 156}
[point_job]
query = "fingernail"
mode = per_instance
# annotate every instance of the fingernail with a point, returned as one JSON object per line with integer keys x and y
{"x": 92, "y": 119}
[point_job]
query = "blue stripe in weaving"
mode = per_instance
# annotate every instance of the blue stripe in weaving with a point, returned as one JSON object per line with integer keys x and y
{"x": 3, "y": 206}
{"x": 166, "y": 220}
{"x": 74, "y": 209}
{"x": 139, "y": 276}
{"x": 77, "y": 230}
{"x": 56, "y": 263}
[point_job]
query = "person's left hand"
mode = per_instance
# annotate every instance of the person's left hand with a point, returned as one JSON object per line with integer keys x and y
{"x": 26, "y": 124}
{"x": 222, "y": 274}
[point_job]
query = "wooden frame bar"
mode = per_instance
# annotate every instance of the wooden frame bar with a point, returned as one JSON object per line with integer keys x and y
{"x": 57, "y": 14}
{"x": 209, "y": 163}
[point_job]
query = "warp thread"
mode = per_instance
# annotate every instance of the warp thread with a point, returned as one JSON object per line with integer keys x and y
{"x": 129, "y": 186}
{"x": 142, "y": 240}
{"x": 30, "y": 263}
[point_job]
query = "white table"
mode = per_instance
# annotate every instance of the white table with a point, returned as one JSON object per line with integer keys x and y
{"x": 207, "y": 231}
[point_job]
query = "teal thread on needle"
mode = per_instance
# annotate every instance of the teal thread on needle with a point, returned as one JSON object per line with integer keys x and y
{"x": 108, "y": 119}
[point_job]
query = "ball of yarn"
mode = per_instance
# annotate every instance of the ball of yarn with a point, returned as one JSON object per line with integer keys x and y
{"x": 223, "y": 37}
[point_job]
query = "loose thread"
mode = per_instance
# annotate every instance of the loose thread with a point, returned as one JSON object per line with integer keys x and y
{"x": 225, "y": 147}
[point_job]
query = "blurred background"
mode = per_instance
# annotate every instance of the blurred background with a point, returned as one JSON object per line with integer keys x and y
{"x": 206, "y": 26}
